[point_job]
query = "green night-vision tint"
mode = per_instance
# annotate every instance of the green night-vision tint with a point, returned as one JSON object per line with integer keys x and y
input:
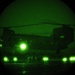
{"x": 62, "y": 36}
{"x": 45, "y": 58}
{"x": 72, "y": 59}
{"x": 0, "y": 45}
{"x": 23, "y": 46}
{"x": 15, "y": 59}
{"x": 5, "y": 59}
{"x": 64, "y": 59}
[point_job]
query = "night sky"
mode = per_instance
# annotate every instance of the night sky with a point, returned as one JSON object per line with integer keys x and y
{"x": 28, "y": 12}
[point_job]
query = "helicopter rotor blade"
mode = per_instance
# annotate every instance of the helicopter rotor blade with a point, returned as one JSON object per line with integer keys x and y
{"x": 45, "y": 22}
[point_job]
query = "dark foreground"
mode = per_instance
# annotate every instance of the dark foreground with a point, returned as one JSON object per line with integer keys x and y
{"x": 55, "y": 68}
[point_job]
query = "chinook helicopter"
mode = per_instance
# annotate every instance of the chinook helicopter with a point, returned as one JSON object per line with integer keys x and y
{"x": 59, "y": 40}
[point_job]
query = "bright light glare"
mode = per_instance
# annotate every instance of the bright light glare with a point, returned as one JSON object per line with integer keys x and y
{"x": 23, "y": 46}
{"x": 72, "y": 58}
{"x": 15, "y": 59}
{"x": 6, "y": 59}
{"x": 64, "y": 59}
{"x": 45, "y": 58}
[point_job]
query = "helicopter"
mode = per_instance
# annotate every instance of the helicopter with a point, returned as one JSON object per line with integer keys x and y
{"x": 59, "y": 40}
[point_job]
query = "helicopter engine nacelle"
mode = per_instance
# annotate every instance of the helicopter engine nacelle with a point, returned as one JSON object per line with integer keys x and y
{"x": 63, "y": 36}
